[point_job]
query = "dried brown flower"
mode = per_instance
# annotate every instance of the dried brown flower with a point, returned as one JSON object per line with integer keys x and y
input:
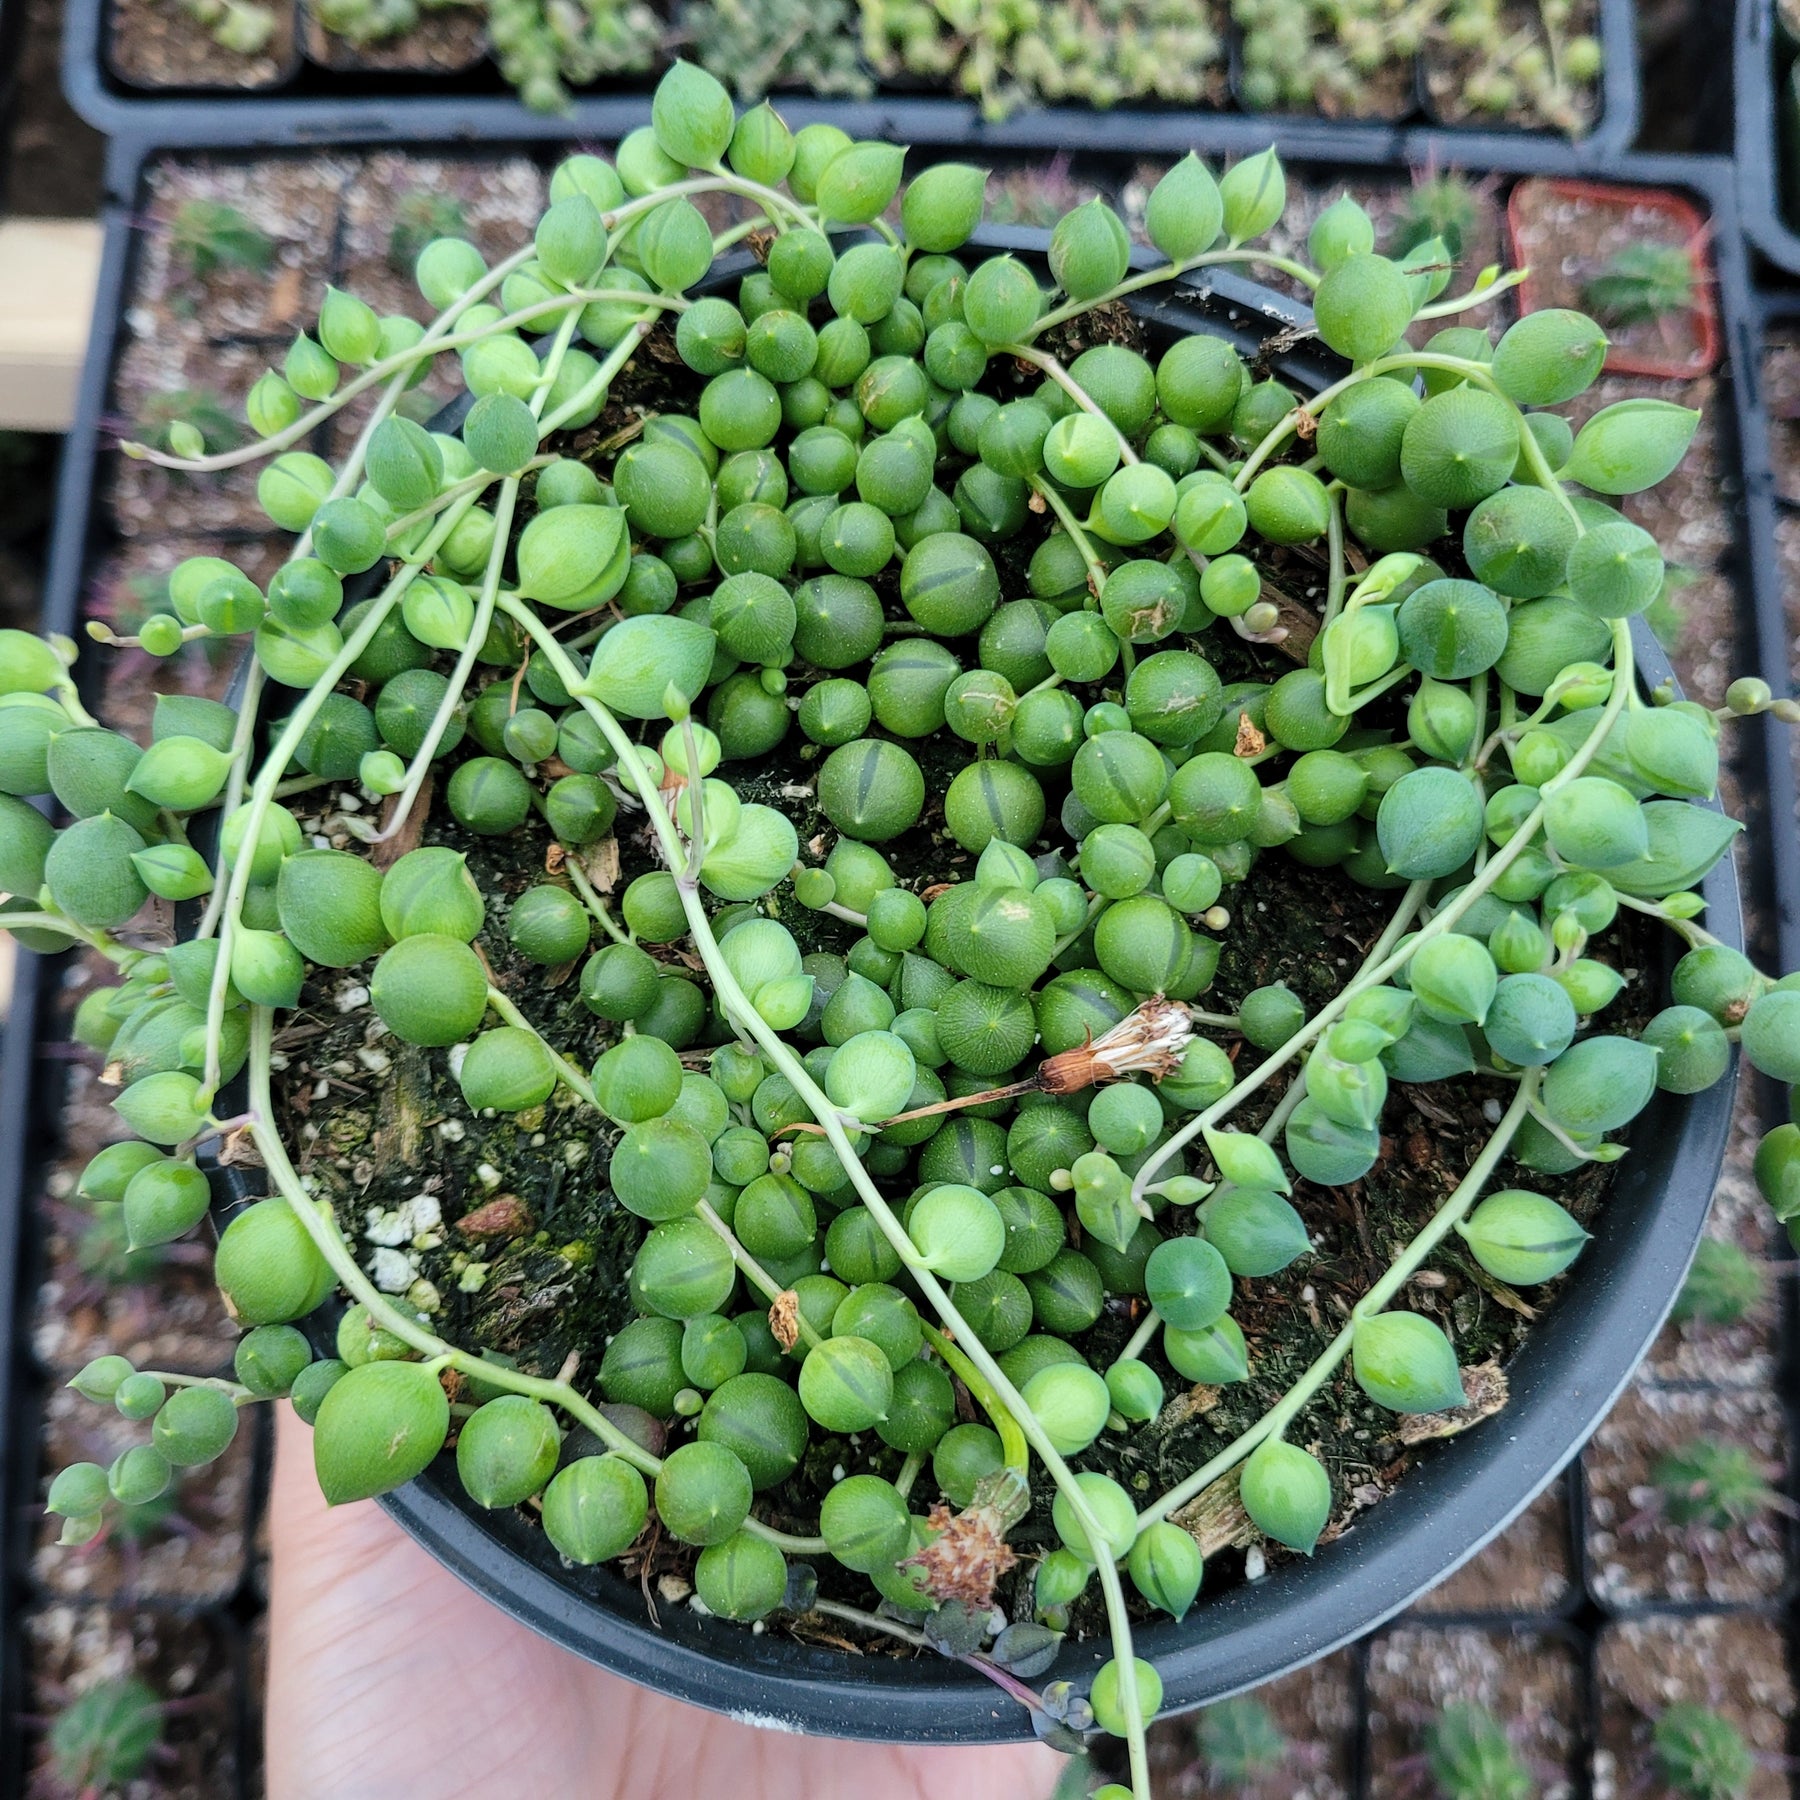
{"x": 784, "y": 1318}
{"x": 966, "y": 1558}
{"x": 1147, "y": 1041}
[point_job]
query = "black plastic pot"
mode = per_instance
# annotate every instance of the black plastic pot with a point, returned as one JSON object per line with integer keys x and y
{"x": 318, "y": 104}
{"x": 1564, "y": 1380}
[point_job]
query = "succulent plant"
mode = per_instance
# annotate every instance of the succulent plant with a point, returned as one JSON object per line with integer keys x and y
{"x": 1470, "y": 1757}
{"x": 421, "y": 215}
{"x": 106, "y": 1735}
{"x": 756, "y": 49}
{"x": 1239, "y": 1742}
{"x": 1710, "y": 1483}
{"x": 562, "y": 623}
{"x": 243, "y": 27}
{"x": 1541, "y": 70}
{"x": 1641, "y": 282}
{"x": 208, "y": 235}
{"x": 545, "y": 47}
{"x": 1331, "y": 56}
{"x": 1018, "y": 53}
{"x": 200, "y": 409}
{"x": 1441, "y": 206}
{"x": 1701, "y": 1754}
{"x": 1723, "y": 1287}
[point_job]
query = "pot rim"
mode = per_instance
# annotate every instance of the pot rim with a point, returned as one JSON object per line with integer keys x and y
{"x": 1458, "y": 1497}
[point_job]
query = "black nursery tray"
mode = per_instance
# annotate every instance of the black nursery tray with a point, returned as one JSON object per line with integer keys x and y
{"x": 1579, "y": 1624}
{"x": 307, "y": 100}
{"x": 1767, "y": 120}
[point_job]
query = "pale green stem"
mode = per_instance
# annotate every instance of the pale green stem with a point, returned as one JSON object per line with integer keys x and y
{"x": 1146, "y": 1330}
{"x": 853, "y": 1615}
{"x": 262, "y": 790}
{"x": 1444, "y": 309}
{"x": 1042, "y": 359}
{"x": 1012, "y": 1440}
{"x": 1096, "y": 907}
{"x": 316, "y": 1220}
{"x": 240, "y": 1395}
{"x": 1274, "y": 1422}
{"x": 737, "y": 1006}
{"x": 504, "y": 508}
{"x": 1396, "y": 928}
{"x": 1284, "y": 428}
{"x": 758, "y": 1277}
{"x": 1291, "y": 1097}
{"x": 566, "y": 1072}
{"x": 592, "y": 900}
{"x": 400, "y": 365}
{"x": 1096, "y": 569}
{"x": 95, "y": 939}
{"x": 1337, "y": 568}
{"x": 771, "y": 198}
{"x": 1168, "y": 272}
{"x": 250, "y": 701}
{"x": 909, "y": 1472}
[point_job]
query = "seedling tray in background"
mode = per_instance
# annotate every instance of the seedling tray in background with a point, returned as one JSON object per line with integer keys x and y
{"x": 1768, "y": 134}
{"x": 1577, "y": 1624}
{"x": 308, "y": 101}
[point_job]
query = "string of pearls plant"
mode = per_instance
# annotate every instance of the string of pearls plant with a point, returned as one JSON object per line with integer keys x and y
{"x": 930, "y": 507}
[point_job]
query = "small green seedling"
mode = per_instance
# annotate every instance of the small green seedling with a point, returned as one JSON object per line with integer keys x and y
{"x": 1701, "y": 1754}
{"x": 1724, "y": 1287}
{"x": 106, "y": 1736}
{"x": 1641, "y": 283}
{"x": 1470, "y": 1757}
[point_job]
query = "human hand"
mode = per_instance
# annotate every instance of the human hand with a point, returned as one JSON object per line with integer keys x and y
{"x": 388, "y": 1677}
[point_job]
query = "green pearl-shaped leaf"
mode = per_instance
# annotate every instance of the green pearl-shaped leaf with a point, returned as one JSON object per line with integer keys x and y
{"x": 1630, "y": 446}
{"x": 691, "y": 115}
{"x": 378, "y": 1427}
{"x": 1404, "y": 1362}
{"x": 1253, "y": 195}
{"x": 1287, "y": 1494}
